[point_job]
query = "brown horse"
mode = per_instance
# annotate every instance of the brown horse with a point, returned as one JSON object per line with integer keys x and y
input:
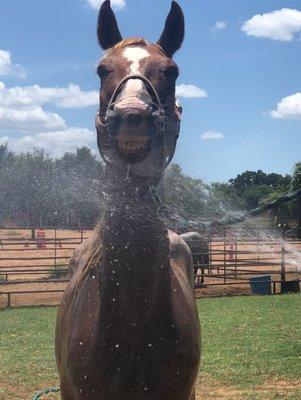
{"x": 199, "y": 246}
{"x": 128, "y": 328}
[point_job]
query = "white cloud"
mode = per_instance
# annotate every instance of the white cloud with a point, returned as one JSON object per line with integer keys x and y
{"x": 20, "y": 107}
{"x": 219, "y": 25}
{"x": 7, "y": 67}
{"x": 21, "y": 113}
{"x": 55, "y": 143}
{"x": 69, "y": 97}
{"x": 118, "y": 4}
{"x": 34, "y": 119}
{"x": 212, "y": 135}
{"x": 288, "y": 107}
{"x": 277, "y": 25}
{"x": 190, "y": 91}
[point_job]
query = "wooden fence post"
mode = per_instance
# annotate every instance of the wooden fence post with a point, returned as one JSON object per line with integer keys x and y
{"x": 235, "y": 258}
{"x": 225, "y": 256}
{"x": 283, "y": 272}
{"x": 55, "y": 251}
{"x": 209, "y": 254}
{"x": 8, "y": 300}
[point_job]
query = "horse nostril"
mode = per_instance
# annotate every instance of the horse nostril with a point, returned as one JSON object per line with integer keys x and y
{"x": 134, "y": 119}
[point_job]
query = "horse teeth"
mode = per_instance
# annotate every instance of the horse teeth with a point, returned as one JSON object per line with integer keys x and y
{"x": 132, "y": 145}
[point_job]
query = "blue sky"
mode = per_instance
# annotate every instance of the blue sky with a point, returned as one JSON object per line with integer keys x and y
{"x": 242, "y": 57}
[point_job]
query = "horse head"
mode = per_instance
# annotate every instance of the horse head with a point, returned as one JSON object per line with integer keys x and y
{"x": 139, "y": 117}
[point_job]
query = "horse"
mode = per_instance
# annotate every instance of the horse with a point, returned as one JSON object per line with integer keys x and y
{"x": 127, "y": 327}
{"x": 199, "y": 247}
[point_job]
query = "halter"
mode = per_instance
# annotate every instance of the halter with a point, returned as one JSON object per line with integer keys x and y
{"x": 159, "y": 116}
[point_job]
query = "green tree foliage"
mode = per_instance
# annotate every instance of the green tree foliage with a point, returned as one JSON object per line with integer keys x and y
{"x": 253, "y": 186}
{"x": 39, "y": 191}
{"x": 192, "y": 199}
{"x": 36, "y": 190}
{"x": 296, "y": 206}
{"x": 225, "y": 195}
{"x": 185, "y": 195}
{"x": 259, "y": 178}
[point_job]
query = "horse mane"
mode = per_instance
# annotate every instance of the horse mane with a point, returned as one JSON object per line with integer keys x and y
{"x": 132, "y": 42}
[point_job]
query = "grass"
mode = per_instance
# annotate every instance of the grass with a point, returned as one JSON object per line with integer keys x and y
{"x": 251, "y": 349}
{"x": 253, "y": 342}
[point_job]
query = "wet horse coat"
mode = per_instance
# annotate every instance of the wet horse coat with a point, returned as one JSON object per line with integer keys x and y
{"x": 128, "y": 327}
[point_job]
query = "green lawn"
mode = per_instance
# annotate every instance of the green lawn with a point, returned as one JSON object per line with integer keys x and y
{"x": 251, "y": 349}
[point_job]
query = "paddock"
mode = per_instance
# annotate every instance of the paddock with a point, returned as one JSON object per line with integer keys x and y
{"x": 266, "y": 328}
{"x": 260, "y": 363}
{"x": 31, "y": 275}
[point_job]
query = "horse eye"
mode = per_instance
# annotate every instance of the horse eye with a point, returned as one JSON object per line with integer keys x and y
{"x": 103, "y": 71}
{"x": 171, "y": 72}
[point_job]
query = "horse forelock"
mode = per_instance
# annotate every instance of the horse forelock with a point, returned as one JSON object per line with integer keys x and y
{"x": 133, "y": 42}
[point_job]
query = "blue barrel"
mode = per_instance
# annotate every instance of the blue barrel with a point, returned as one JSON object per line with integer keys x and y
{"x": 261, "y": 284}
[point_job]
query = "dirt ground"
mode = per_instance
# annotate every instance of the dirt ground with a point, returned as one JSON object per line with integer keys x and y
{"x": 275, "y": 389}
{"x": 20, "y": 256}
{"x": 272, "y": 390}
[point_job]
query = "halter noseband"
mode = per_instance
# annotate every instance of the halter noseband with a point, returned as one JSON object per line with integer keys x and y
{"x": 148, "y": 84}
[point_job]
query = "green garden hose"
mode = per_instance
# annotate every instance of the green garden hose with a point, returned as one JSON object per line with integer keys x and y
{"x": 45, "y": 392}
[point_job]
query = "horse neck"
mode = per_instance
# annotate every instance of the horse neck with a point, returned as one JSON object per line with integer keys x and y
{"x": 135, "y": 246}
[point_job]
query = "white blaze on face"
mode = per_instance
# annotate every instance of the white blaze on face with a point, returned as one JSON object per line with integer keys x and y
{"x": 134, "y": 87}
{"x": 134, "y": 55}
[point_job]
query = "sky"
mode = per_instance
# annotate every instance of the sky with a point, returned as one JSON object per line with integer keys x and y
{"x": 240, "y": 81}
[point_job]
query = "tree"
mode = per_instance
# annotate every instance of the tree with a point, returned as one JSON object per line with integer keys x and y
{"x": 36, "y": 190}
{"x": 250, "y": 179}
{"x": 79, "y": 178}
{"x": 225, "y": 194}
{"x": 296, "y": 206}
{"x": 185, "y": 195}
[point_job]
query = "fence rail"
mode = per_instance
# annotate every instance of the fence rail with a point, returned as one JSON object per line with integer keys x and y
{"x": 26, "y": 269}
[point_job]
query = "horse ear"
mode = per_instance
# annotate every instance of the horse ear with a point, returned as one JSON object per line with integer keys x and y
{"x": 107, "y": 28}
{"x": 174, "y": 31}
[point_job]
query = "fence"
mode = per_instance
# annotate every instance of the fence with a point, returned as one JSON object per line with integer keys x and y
{"x": 33, "y": 264}
{"x": 35, "y": 274}
{"x": 233, "y": 262}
